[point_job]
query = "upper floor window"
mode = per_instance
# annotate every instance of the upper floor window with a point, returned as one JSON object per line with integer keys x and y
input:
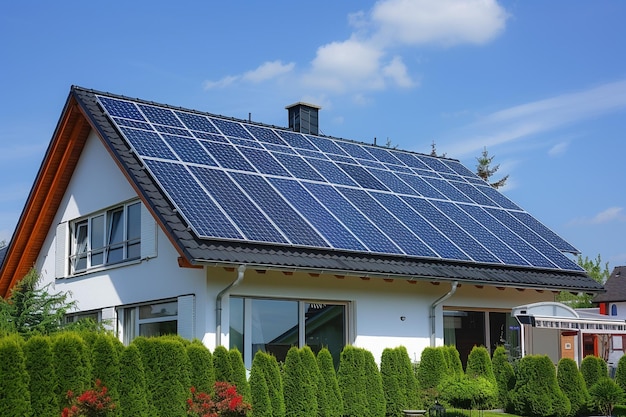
{"x": 106, "y": 238}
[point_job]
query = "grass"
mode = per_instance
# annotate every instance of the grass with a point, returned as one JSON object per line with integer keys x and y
{"x": 457, "y": 412}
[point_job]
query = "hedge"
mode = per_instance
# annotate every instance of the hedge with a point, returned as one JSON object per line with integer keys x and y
{"x": 202, "y": 374}
{"x": 573, "y": 386}
{"x": 72, "y": 365}
{"x": 14, "y": 379}
{"x": 504, "y": 374}
{"x": 334, "y": 403}
{"x": 43, "y": 379}
{"x": 300, "y": 394}
{"x": 593, "y": 369}
{"x": 132, "y": 386}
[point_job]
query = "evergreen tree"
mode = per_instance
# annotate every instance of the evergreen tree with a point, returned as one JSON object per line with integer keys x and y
{"x": 132, "y": 386}
{"x": 504, "y": 374}
{"x": 620, "y": 373}
{"x": 299, "y": 393}
{"x": 573, "y": 386}
{"x": 261, "y": 404}
{"x": 395, "y": 395}
{"x": 222, "y": 364}
{"x": 150, "y": 362}
{"x": 605, "y": 394}
{"x": 43, "y": 379}
{"x": 593, "y": 369}
{"x": 484, "y": 169}
{"x": 312, "y": 372}
{"x": 106, "y": 364}
{"x": 72, "y": 365}
{"x": 31, "y": 310}
{"x": 351, "y": 379}
{"x": 202, "y": 371}
{"x": 454, "y": 359}
{"x": 597, "y": 270}
{"x": 408, "y": 380}
{"x": 239, "y": 378}
{"x": 479, "y": 364}
{"x": 14, "y": 380}
{"x": 171, "y": 383}
{"x": 373, "y": 386}
{"x": 334, "y": 407}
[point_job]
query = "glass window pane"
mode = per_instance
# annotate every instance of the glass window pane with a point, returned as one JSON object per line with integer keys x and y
{"x": 236, "y": 328}
{"x": 115, "y": 255}
{"x": 133, "y": 251}
{"x": 97, "y": 232}
{"x": 160, "y": 328}
{"x": 158, "y": 310}
{"x": 116, "y": 229}
{"x": 325, "y": 327}
{"x": 134, "y": 222}
{"x": 274, "y": 326}
{"x": 81, "y": 237}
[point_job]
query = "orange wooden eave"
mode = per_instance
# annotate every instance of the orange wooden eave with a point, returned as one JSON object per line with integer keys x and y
{"x": 45, "y": 197}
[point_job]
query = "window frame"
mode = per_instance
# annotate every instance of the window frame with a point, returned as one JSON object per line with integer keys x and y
{"x": 131, "y": 321}
{"x": 83, "y": 245}
{"x": 247, "y": 345}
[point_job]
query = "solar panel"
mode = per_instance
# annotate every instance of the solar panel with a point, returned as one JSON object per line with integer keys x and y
{"x": 234, "y": 180}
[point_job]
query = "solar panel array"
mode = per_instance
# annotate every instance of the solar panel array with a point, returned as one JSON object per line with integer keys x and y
{"x": 232, "y": 180}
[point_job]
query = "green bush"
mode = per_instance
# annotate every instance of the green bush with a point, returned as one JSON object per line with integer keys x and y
{"x": 605, "y": 394}
{"x": 14, "y": 379}
{"x": 536, "y": 391}
{"x": 222, "y": 364}
{"x": 430, "y": 373}
{"x": 43, "y": 381}
{"x": 504, "y": 374}
{"x": 300, "y": 394}
{"x": 309, "y": 362}
{"x": 72, "y": 365}
{"x": 132, "y": 385}
{"x": 593, "y": 369}
{"x": 150, "y": 362}
{"x": 620, "y": 373}
{"x": 455, "y": 366}
{"x": 573, "y": 386}
{"x": 374, "y": 386}
{"x": 469, "y": 392}
{"x": 619, "y": 411}
{"x": 399, "y": 381}
{"x": 239, "y": 377}
{"x": 202, "y": 373}
{"x": 259, "y": 390}
{"x": 171, "y": 383}
{"x": 350, "y": 377}
{"x": 334, "y": 403}
{"x": 106, "y": 364}
{"x": 479, "y": 364}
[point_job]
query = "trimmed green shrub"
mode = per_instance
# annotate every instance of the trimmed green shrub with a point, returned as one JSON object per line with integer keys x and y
{"x": 202, "y": 373}
{"x": 334, "y": 403}
{"x": 150, "y": 361}
{"x": 261, "y": 404}
{"x": 469, "y": 392}
{"x": 619, "y": 411}
{"x": 315, "y": 379}
{"x": 350, "y": 377}
{"x": 106, "y": 364}
{"x": 132, "y": 385}
{"x": 505, "y": 376}
{"x": 593, "y": 369}
{"x": 536, "y": 391}
{"x": 620, "y": 373}
{"x": 171, "y": 384}
{"x": 479, "y": 364}
{"x": 399, "y": 381}
{"x": 14, "y": 379}
{"x": 455, "y": 366}
{"x": 239, "y": 377}
{"x": 222, "y": 365}
{"x": 72, "y": 365}
{"x": 43, "y": 380}
{"x": 573, "y": 386}
{"x": 300, "y": 395}
{"x": 430, "y": 373}
{"x": 373, "y": 386}
{"x": 605, "y": 394}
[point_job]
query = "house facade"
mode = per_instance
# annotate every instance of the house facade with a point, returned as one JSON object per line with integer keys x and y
{"x": 164, "y": 220}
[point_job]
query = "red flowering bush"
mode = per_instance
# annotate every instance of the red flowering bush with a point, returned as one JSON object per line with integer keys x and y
{"x": 91, "y": 403}
{"x": 227, "y": 402}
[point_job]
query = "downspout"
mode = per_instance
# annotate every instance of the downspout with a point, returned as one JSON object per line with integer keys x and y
{"x": 434, "y": 306}
{"x": 218, "y": 304}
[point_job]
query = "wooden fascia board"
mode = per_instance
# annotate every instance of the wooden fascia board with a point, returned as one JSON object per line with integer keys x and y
{"x": 45, "y": 197}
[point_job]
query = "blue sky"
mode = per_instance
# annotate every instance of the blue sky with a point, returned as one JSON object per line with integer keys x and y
{"x": 541, "y": 84}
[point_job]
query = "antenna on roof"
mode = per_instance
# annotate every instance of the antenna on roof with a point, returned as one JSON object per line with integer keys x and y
{"x": 249, "y": 117}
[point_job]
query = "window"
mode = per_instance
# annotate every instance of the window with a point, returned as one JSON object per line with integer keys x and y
{"x": 75, "y": 317}
{"x": 155, "y": 319}
{"x": 274, "y": 326}
{"x": 106, "y": 238}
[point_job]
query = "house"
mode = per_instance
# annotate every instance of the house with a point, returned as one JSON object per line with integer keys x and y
{"x": 160, "y": 219}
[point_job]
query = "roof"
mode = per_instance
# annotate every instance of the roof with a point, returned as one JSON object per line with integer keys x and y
{"x": 615, "y": 287}
{"x": 84, "y": 110}
{"x": 3, "y": 252}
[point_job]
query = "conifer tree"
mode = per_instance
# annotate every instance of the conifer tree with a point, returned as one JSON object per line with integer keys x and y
{"x": 330, "y": 384}
{"x": 573, "y": 385}
{"x": 312, "y": 372}
{"x": 299, "y": 394}
{"x": 479, "y": 364}
{"x": 106, "y": 364}
{"x": 351, "y": 379}
{"x": 72, "y": 364}
{"x": 395, "y": 396}
{"x": 620, "y": 373}
{"x": 222, "y": 365}
{"x": 150, "y": 362}
{"x": 408, "y": 380}
{"x": 261, "y": 404}
{"x": 14, "y": 380}
{"x": 373, "y": 386}
{"x": 593, "y": 369}
{"x": 484, "y": 169}
{"x": 171, "y": 383}
{"x": 132, "y": 385}
{"x": 504, "y": 374}
{"x": 239, "y": 378}
{"x": 43, "y": 379}
{"x": 202, "y": 372}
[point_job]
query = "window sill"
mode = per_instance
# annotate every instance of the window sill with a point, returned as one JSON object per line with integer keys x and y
{"x": 98, "y": 269}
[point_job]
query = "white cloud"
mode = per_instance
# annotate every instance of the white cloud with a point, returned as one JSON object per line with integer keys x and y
{"x": 268, "y": 70}
{"x": 558, "y": 149}
{"x": 445, "y": 22}
{"x": 397, "y": 71}
{"x": 610, "y": 215}
{"x": 223, "y": 83}
{"x": 519, "y": 122}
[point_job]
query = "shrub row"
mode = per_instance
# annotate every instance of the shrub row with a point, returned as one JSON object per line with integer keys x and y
{"x": 153, "y": 377}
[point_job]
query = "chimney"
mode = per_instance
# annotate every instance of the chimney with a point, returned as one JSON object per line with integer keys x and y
{"x": 304, "y": 118}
